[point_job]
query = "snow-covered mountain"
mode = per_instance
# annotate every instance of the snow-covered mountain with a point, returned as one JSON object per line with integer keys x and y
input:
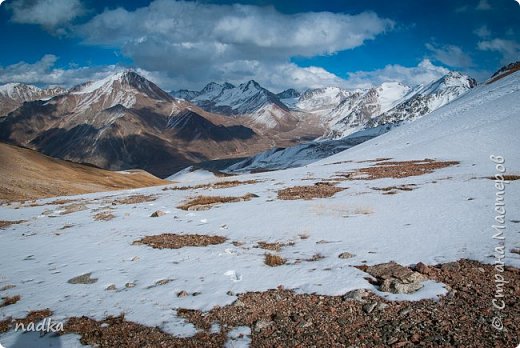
{"x": 358, "y": 108}
{"x": 124, "y": 121}
{"x": 425, "y": 99}
{"x": 321, "y": 101}
{"x": 248, "y": 99}
{"x": 13, "y": 95}
{"x": 393, "y": 102}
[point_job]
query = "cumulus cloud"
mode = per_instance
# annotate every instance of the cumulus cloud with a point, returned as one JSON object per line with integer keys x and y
{"x": 508, "y": 49}
{"x": 423, "y": 73}
{"x": 44, "y": 72}
{"x": 48, "y": 13}
{"x": 197, "y": 43}
{"x": 450, "y": 55}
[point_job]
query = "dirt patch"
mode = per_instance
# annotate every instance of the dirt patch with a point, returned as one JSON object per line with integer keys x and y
{"x": 5, "y": 223}
{"x": 318, "y": 190}
{"x": 273, "y": 260}
{"x": 216, "y": 185}
{"x": 206, "y": 202}
{"x": 134, "y": 199}
{"x": 177, "y": 241}
{"x": 395, "y": 170}
{"x": 31, "y": 317}
{"x": 104, "y": 216}
{"x": 9, "y": 300}
{"x": 276, "y": 246}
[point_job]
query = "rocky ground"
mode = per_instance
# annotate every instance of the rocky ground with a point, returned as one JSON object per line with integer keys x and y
{"x": 282, "y": 318}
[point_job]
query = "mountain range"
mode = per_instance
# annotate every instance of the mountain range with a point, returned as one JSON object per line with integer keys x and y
{"x": 125, "y": 121}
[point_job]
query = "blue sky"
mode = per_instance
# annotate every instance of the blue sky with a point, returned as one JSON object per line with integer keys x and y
{"x": 278, "y": 43}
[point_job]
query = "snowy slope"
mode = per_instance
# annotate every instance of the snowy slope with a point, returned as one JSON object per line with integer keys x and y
{"x": 446, "y": 217}
{"x": 303, "y": 154}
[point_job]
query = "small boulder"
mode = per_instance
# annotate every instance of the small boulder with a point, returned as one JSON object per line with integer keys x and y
{"x": 345, "y": 255}
{"x": 158, "y": 213}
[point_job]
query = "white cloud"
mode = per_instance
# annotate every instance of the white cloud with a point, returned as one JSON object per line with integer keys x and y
{"x": 194, "y": 43}
{"x": 423, "y": 73}
{"x": 482, "y": 32}
{"x": 47, "y": 13}
{"x": 44, "y": 72}
{"x": 450, "y": 55}
{"x": 483, "y": 5}
{"x": 508, "y": 49}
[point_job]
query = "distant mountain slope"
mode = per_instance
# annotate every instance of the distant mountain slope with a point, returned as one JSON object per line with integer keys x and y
{"x": 13, "y": 95}
{"x": 27, "y": 174}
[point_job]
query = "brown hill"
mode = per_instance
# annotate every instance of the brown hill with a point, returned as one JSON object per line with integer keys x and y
{"x": 26, "y": 174}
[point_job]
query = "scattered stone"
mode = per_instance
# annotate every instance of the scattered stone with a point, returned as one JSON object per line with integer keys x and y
{"x": 82, "y": 279}
{"x": 369, "y": 307}
{"x": 182, "y": 293}
{"x": 158, "y": 213}
{"x": 356, "y": 295}
{"x": 346, "y": 255}
{"x": 111, "y": 287}
{"x": 262, "y": 324}
{"x": 395, "y": 278}
{"x": 130, "y": 285}
{"x": 515, "y": 250}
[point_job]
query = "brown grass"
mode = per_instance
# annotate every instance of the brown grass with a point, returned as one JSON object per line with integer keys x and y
{"x": 276, "y": 246}
{"x": 273, "y": 260}
{"x": 72, "y": 208}
{"x": 206, "y": 202}
{"x": 215, "y": 185}
{"x": 318, "y": 190}
{"x": 395, "y": 170}
{"x": 5, "y": 223}
{"x": 9, "y": 300}
{"x": 104, "y": 216}
{"x": 177, "y": 241}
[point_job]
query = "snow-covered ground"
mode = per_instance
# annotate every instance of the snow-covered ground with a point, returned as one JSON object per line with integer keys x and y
{"x": 447, "y": 217}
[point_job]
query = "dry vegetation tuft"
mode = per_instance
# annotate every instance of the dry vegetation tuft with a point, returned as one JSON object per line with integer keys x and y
{"x": 9, "y": 300}
{"x": 31, "y": 317}
{"x": 104, "y": 216}
{"x": 4, "y": 223}
{"x": 215, "y": 185}
{"x": 134, "y": 199}
{"x": 395, "y": 170}
{"x": 507, "y": 177}
{"x": 273, "y": 260}
{"x": 276, "y": 246}
{"x": 206, "y": 202}
{"x": 177, "y": 241}
{"x": 391, "y": 190}
{"x": 318, "y": 190}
